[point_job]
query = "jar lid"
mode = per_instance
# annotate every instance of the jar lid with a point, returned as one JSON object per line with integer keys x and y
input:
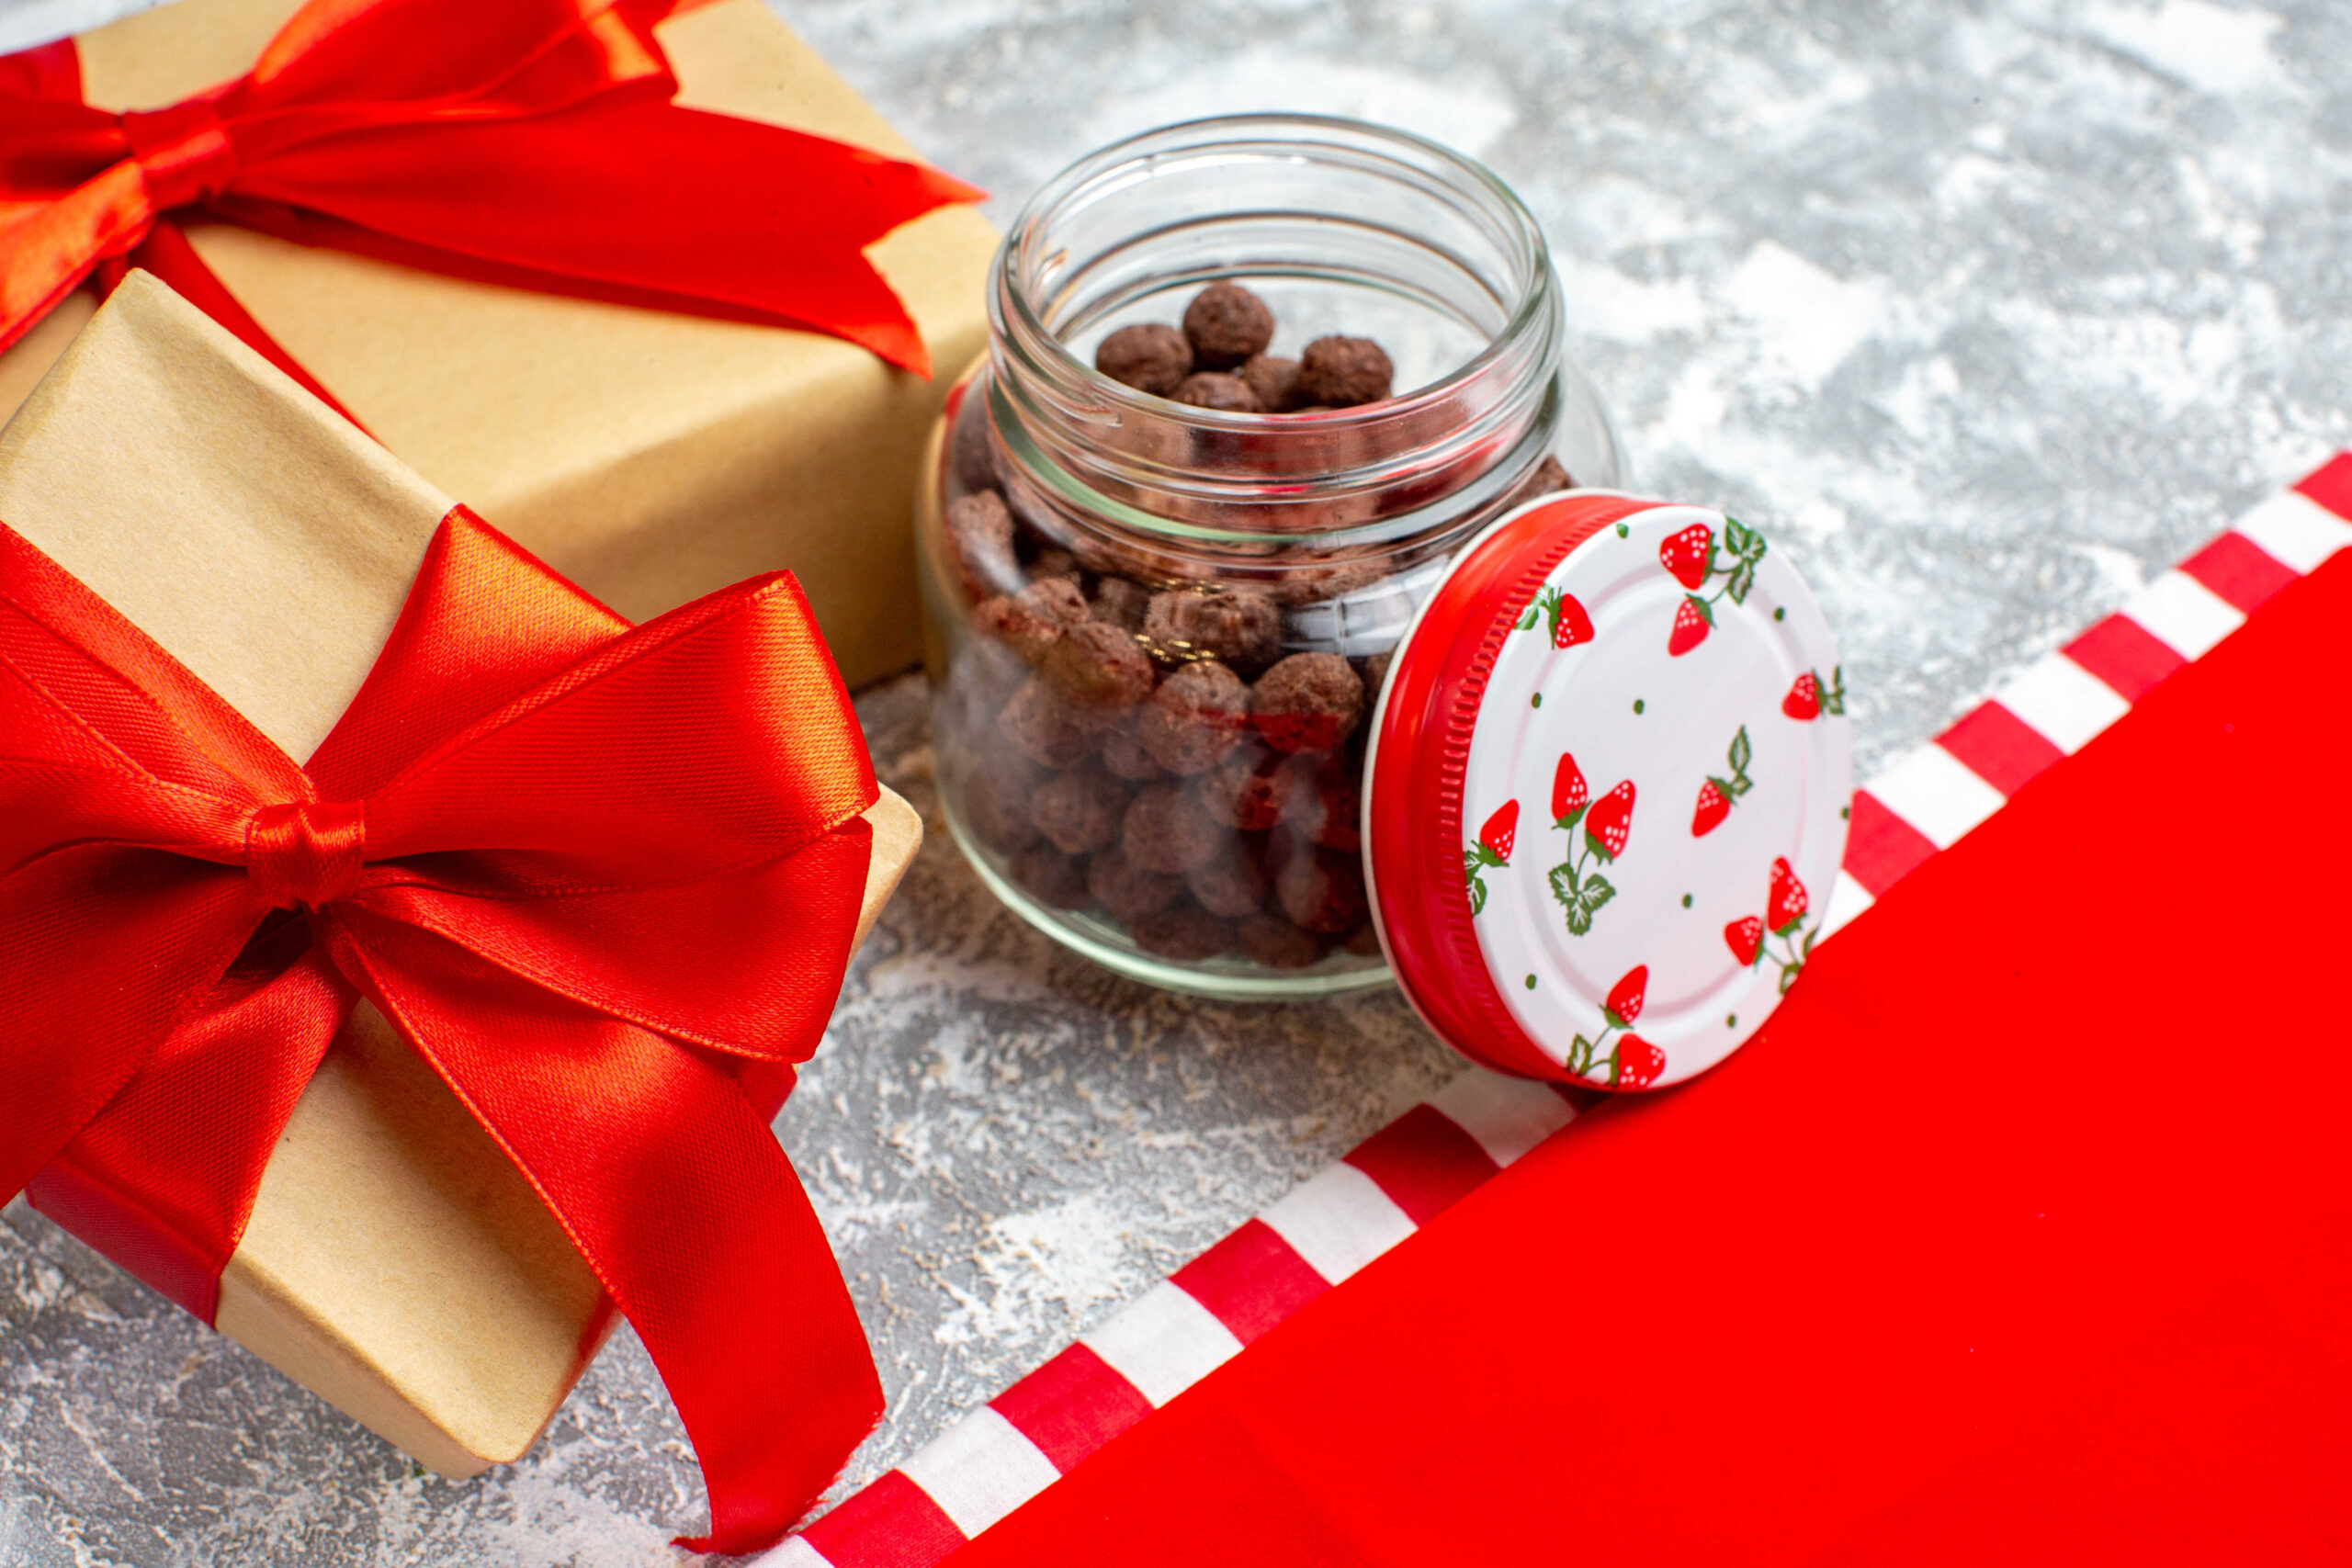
{"x": 1606, "y": 791}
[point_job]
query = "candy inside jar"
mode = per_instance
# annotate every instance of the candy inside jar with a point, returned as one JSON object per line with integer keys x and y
{"x": 1252, "y": 383}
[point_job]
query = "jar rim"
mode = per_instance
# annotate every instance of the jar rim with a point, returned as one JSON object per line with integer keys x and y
{"x": 1019, "y": 323}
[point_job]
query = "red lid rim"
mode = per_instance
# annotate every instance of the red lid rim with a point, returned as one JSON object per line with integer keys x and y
{"x": 1412, "y": 811}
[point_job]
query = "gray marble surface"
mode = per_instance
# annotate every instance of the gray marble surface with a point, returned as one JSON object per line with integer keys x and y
{"x": 1990, "y": 310}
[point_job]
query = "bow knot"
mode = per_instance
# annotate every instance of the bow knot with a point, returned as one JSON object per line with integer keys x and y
{"x": 307, "y": 853}
{"x": 184, "y": 152}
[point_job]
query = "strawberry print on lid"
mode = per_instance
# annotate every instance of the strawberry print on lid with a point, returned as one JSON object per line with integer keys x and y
{"x": 1659, "y": 679}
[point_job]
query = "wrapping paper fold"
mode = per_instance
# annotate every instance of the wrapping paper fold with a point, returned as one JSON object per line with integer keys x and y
{"x": 396, "y": 1263}
{"x": 650, "y": 458}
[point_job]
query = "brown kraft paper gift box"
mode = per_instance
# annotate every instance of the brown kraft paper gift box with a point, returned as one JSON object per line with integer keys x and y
{"x": 650, "y": 458}
{"x": 395, "y": 1264}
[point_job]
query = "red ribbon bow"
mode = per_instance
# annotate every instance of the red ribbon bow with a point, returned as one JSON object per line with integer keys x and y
{"x": 530, "y": 142}
{"x": 603, "y": 880}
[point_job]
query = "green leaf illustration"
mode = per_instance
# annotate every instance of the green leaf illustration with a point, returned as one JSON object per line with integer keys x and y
{"x": 1743, "y": 541}
{"x": 1834, "y": 699}
{"x": 1478, "y": 896}
{"x": 1789, "y": 974}
{"x": 1741, "y": 751}
{"x": 1596, "y": 893}
{"x": 1743, "y": 578}
{"x": 1565, "y": 886}
{"x": 1579, "y": 919}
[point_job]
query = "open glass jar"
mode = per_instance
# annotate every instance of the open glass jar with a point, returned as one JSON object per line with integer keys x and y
{"x": 1157, "y": 630}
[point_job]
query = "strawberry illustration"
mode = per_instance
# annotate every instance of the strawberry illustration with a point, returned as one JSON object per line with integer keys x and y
{"x": 1570, "y": 625}
{"x": 1713, "y": 806}
{"x": 1786, "y": 906}
{"x": 1626, "y": 997}
{"x": 1610, "y": 819}
{"x": 1745, "y": 937}
{"x": 1688, "y": 555}
{"x": 1638, "y": 1062}
{"x": 1692, "y": 622}
{"x": 1501, "y": 831}
{"x": 1568, "y": 793}
{"x": 1803, "y": 701}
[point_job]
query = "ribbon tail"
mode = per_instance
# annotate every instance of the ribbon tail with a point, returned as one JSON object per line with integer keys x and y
{"x": 677, "y": 1195}
{"x": 163, "y": 1181}
{"x": 166, "y": 253}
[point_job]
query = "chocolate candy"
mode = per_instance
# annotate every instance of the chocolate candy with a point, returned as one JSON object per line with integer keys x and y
{"x": 1344, "y": 372}
{"x": 1550, "y": 475}
{"x": 1197, "y": 716}
{"x": 1123, "y": 755}
{"x": 1041, "y": 725}
{"x": 1244, "y": 791}
{"x": 1051, "y": 877}
{"x": 971, "y": 452}
{"x": 1233, "y": 885}
{"x": 1126, "y": 890}
{"x": 1184, "y": 932}
{"x": 1080, "y": 811}
{"x": 1099, "y": 670}
{"x": 1274, "y": 380}
{"x": 1240, "y": 625}
{"x": 1033, "y": 620}
{"x": 1149, "y": 356}
{"x": 1121, "y": 604}
{"x": 1309, "y": 702}
{"x": 979, "y": 535}
{"x": 995, "y": 799}
{"x": 1274, "y": 942}
{"x": 1318, "y": 798}
{"x": 1227, "y": 325}
{"x": 1320, "y": 890}
{"x": 1168, "y": 829}
{"x": 1214, "y": 389}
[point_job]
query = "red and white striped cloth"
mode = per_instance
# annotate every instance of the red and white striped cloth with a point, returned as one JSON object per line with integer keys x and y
{"x": 1178, "y": 1332}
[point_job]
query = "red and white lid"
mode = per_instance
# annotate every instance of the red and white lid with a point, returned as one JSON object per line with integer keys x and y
{"x": 1606, "y": 791}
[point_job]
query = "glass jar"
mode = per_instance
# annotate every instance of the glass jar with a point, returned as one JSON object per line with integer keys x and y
{"x": 1134, "y": 755}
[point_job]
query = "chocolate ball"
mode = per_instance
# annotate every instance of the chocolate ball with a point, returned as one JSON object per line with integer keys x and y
{"x": 1320, "y": 890}
{"x": 1309, "y": 702}
{"x": 1100, "y": 671}
{"x": 1227, "y": 325}
{"x": 1243, "y": 790}
{"x": 1126, "y": 890}
{"x": 995, "y": 802}
{"x": 1276, "y": 944}
{"x": 1168, "y": 829}
{"x": 1319, "y": 802}
{"x": 1214, "y": 389}
{"x": 1343, "y": 372}
{"x": 1053, "y": 878}
{"x": 1055, "y": 564}
{"x": 971, "y": 449}
{"x": 1182, "y": 931}
{"x": 1197, "y": 716}
{"x": 1080, "y": 811}
{"x": 1240, "y": 625}
{"x": 1033, "y": 620}
{"x": 1119, "y": 602}
{"x": 1274, "y": 380}
{"x": 1363, "y": 942}
{"x": 1149, "y": 356}
{"x": 1310, "y": 575}
{"x": 1233, "y": 885}
{"x": 1041, "y": 725}
{"x": 1123, "y": 755}
{"x": 980, "y": 537}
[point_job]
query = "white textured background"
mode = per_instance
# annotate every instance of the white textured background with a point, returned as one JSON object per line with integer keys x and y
{"x": 1989, "y": 310}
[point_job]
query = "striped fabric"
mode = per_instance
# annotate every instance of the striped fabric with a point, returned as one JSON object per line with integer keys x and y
{"x": 1179, "y": 1331}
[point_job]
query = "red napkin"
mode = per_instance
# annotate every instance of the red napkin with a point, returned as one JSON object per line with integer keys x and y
{"x": 2024, "y": 1233}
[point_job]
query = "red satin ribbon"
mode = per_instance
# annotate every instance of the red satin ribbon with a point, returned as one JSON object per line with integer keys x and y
{"x": 605, "y": 880}
{"x": 530, "y": 142}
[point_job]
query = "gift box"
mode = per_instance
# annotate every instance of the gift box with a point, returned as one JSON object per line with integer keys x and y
{"x": 650, "y": 455}
{"x": 396, "y": 1260}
